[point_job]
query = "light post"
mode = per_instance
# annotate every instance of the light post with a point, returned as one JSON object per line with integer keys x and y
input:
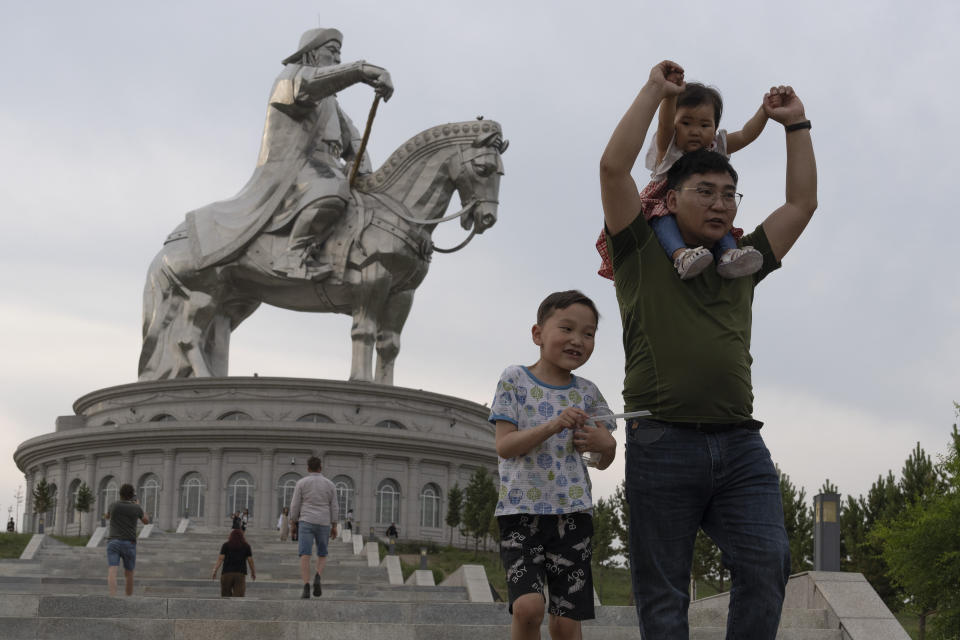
{"x": 18, "y": 496}
{"x": 826, "y": 532}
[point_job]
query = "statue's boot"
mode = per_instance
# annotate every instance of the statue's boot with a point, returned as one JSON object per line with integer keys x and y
{"x": 293, "y": 264}
{"x": 296, "y": 261}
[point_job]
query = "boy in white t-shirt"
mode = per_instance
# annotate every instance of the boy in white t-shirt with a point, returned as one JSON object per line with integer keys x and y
{"x": 543, "y": 419}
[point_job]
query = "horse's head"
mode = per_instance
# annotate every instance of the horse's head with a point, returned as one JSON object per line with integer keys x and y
{"x": 478, "y": 180}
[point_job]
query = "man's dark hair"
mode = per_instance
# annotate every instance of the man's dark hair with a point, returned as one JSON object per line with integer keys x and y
{"x": 562, "y": 300}
{"x": 313, "y": 463}
{"x": 695, "y": 94}
{"x": 127, "y": 492}
{"x": 699, "y": 161}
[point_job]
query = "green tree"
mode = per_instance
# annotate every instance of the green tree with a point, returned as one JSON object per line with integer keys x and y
{"x": 863, "y": 553}
{"x": 918, "y": 479}
{"x": 707, "y": 563}
{"x": 480, "y": 502}
{"x": 621, "y": 520}
{"x": 921, "y": 546}
{"x": 454, "y": 508}
{"x": 798, "y": 521}
{"x": 43, "y": 500}
{"x": 604, "y": 533}
{"x": 83, "y": 502}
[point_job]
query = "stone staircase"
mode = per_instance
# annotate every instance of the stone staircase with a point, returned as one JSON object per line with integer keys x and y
{"x": 61, "y": 594}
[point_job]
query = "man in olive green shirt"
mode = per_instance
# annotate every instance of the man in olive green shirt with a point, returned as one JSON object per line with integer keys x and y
{"x": 699, "y": 462}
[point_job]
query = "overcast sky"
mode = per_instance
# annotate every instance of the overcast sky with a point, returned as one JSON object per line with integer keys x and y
{"x": 119, "y": 117}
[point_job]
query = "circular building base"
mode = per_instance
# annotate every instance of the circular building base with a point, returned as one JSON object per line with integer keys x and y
{"x": 203, "y": 448}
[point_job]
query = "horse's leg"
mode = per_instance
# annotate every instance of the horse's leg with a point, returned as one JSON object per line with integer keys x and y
{"x": 176, "y": 319}
{"x": 200, "y": 313}
{"x": 367, "y": 313}
{"x": 217, "y": 346}
{"x": 395, "y": 314}
{"x": 227, "y": 317}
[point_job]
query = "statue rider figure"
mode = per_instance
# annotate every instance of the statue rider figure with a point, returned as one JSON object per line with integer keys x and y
{"x": 300, "y": 185}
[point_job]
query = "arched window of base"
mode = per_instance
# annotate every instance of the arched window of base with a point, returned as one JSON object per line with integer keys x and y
{"x": 148, "y": 493}
{"x": 240, "y": 493}
{"x": 316, "y": 418}
{"x": 388, "y": 502}
{"x": 107, "y": 494}
{"x": 345, "y": 495}
{"x": 72, "y": 501}
{"x": 285, "y": 487}
{"x": 430, "y": 506}
{"x": 192, "y": 490}
{"x": 390, "y": 424}
{"x": 235, "y": 416}
{"x": 50, "y": 518}
{"x": 163, "y": 417}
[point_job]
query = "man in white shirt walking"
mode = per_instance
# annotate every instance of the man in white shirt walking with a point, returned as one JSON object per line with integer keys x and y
{"x": 313, "y": 518}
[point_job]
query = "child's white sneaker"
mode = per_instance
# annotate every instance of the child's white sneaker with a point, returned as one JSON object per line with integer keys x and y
{"x": 691, "y": 262}
{"x": 737, "y": 263}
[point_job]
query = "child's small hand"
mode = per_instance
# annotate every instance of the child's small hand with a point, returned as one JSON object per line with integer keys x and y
{"x": 570, "y": 418}
{"x": 668, "y": 76}
{"x": 782, "y": 105}
{"x": 593, "y": 439}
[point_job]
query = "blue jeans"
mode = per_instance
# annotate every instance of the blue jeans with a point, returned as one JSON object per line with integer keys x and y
{"x": 125, "y": 550}
{"x": 679, "y": 480}
{"x": 668, "y": 233}
{"x": 308, "y": 533}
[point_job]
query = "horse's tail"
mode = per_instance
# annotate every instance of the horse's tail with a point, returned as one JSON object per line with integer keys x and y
{"x": 152, "y": 324}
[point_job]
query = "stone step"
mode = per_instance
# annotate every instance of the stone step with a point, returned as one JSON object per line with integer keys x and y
{"x": 97, "y": 629}
{"x": 95, "y": 617}
{"x": 146, "y": 607}
{"x": 258, "y": 589}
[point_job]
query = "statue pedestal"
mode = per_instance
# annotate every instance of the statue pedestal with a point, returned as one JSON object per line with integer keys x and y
{"x": 201, "y": 448}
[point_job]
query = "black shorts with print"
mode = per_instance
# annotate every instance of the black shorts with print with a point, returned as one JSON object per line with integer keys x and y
{"x": 554, "y": 549}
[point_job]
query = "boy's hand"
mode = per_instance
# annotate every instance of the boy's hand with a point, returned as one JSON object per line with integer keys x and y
{"x": 782, "y": 105}
{"x": 668, "y": 77}
{"x": 594, "y": 439}
{"x": 570, "y": 418}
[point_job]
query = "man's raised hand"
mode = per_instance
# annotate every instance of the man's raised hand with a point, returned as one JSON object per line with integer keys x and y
{"x": 782, "y": 105}
{"x": 668, "y": 77}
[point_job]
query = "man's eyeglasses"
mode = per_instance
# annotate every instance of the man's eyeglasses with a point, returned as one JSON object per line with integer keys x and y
{"x": 707, "y": 196}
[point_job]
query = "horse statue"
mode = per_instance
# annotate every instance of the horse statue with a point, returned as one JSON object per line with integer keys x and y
{"x": 379, "y": 253}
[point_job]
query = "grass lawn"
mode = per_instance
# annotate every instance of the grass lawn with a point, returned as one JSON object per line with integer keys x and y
{"x": 911, "y": 624}
{"x": 73, "y": 541}
{"x": 612, "y": 584}
{"x": 13, "y": 544}
{"x": 445, "y": 560}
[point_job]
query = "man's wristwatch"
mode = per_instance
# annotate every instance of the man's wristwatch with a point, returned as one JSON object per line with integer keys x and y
{"x": 796, "y": 126}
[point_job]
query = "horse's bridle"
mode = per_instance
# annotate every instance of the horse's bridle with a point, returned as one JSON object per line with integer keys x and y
{"x": 467, "y": 208}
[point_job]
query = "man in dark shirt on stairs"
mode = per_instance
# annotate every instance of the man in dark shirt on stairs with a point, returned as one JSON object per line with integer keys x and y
{"x": 122, "y": 538}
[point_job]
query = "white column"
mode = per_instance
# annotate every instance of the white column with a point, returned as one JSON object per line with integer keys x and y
{"x": 168, "y": 511}
{"x": 27, "y": 524}
{"x": 412, "y": 528}
{"x": 453, "y": 477}
{"x": 366, "y": 496}
{"x": 62, "y": 497}
{"x": 215, "y": 490}
{"x": 266, "y": 517}
{"x": 92, "y": 517}
{"x": 126, "y": 469}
